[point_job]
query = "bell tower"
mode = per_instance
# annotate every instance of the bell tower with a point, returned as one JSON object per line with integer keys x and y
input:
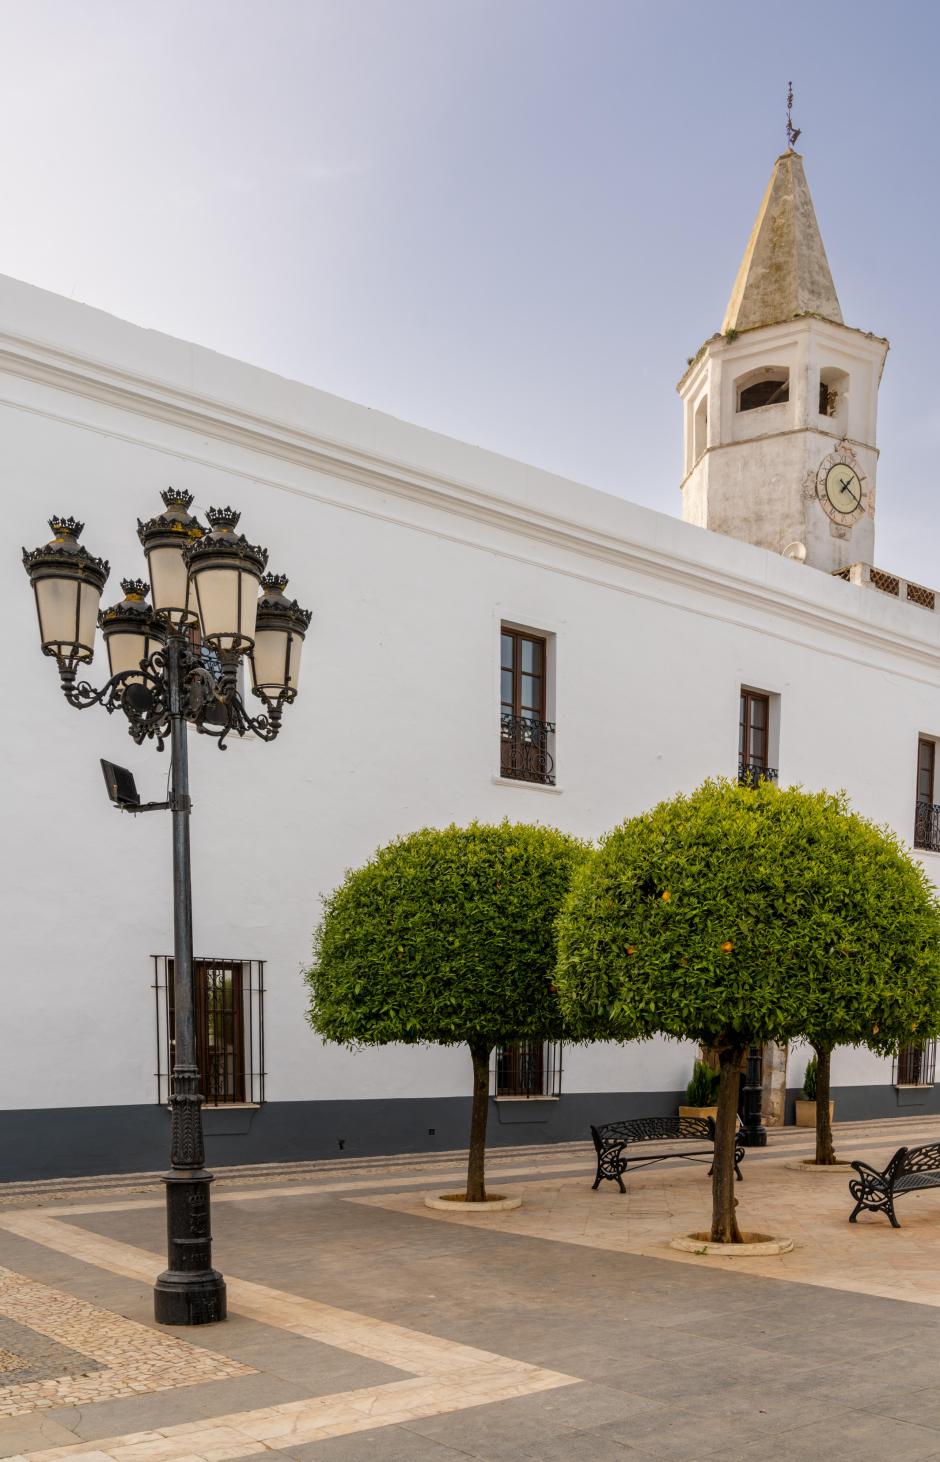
{"x": 780, "y": 407}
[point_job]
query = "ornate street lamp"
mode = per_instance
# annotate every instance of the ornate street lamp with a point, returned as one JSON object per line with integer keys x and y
{"x": 162, "y": 681}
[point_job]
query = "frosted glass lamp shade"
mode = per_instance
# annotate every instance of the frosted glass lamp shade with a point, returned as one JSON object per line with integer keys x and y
{"x": 227, "y": 599}
{"x": 279, "y": 638}
{"x": 67, "y": 582}
{"x": 224, "y": 571}
{"x": 169, "y": 582}
{"x": 131, "y": 630}
{"x": 165, "y": 540}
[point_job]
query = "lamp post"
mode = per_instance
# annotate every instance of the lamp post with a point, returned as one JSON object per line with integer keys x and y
{"x": 173, "y": 665}
{"x": 753, "y": 1132}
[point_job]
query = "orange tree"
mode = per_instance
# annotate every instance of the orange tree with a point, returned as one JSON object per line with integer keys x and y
{"x": 741, "y": 914}
{"x": 447, "y": 936}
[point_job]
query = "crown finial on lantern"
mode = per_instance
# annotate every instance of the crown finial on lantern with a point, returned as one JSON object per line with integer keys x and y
{"x": 177, "y": 497}
{"x": 135, "y": 588}
{"x": 65, "y": 527}
{"x": 222, "y": 518}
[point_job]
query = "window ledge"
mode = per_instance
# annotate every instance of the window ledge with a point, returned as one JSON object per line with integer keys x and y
{"x": 530, "y": 786}
{"x": 224, "y": 1107}
{"x": 527, "y": 1099}
{"x": 914, "y": 1085}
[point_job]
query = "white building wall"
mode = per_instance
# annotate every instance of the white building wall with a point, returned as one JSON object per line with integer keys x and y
{"x": 411, "y": 549}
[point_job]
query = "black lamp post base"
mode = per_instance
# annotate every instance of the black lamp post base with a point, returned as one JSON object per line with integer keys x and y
{"x": 189, "y": 1299}
{"x": 190, "y": 1291}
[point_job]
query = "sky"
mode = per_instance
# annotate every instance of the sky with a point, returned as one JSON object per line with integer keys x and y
{"x": 511, "y": 221}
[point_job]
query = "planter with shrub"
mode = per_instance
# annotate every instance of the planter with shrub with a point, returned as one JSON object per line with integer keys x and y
{"x": 701, "y": 1094}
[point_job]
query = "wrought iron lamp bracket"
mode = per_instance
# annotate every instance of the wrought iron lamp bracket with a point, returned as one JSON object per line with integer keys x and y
{"x": 144, "y": 697}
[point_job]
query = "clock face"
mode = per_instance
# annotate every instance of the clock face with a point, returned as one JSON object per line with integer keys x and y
{"x": 840, "y": 489}
{"x": 843, "y": 488}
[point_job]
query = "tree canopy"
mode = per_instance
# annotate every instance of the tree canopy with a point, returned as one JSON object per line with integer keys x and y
{"x": 746, "y": 914}
{"x": 766, "y": 913}
{"x": 445, "y": 935}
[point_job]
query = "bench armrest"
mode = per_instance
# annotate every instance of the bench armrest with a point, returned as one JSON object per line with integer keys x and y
{"x": 865, "y": 1171}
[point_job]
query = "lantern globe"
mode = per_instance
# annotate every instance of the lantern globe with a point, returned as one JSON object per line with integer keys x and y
{"x": 67, "y": 581}
{"x": 225, "y": 571}
{"x": 279, "y": 636}
{"x": 164, "y": 540}
{"x": 131, "y": 630}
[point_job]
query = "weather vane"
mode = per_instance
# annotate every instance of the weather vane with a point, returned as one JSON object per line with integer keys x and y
{"x": 792, "y": 132}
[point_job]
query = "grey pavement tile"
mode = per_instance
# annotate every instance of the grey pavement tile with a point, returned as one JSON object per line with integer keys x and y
{"x": 921, "y": 1406}
{"x": 492, "y": 1431}
{"x": 383, "y": 1444}
{"x": 743, "y": 1415}
{"x": 895, "y": 1374}
{"x": 33, "y": 1433}
{"x": 845, "y": 1437}
{"x": 689, "y": 1375}
{"x": 583, "y": 1408}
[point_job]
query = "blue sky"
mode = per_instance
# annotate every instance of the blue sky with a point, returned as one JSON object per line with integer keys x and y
{"x": 508, "y": 220}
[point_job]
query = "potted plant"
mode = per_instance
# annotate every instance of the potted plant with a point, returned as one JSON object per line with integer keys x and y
{"x": 701, "y": 1094}
{"x": 806, "y": 1105}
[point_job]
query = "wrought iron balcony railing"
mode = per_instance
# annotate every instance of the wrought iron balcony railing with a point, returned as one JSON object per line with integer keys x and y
{"x": 750, "y": 774}
{"x": 927, "y": 827}
{"x": 524, "y": 753}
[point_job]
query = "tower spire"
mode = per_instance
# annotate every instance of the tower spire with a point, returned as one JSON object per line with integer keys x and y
{"x": 784, "y": 271}
{"x": 792, "y": 132}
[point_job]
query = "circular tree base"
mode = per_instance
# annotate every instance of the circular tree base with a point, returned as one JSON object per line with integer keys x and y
{"x": 447, "y": 1202}
{"x": 752, "y": 1246}
{"x": 840, "y": 1168}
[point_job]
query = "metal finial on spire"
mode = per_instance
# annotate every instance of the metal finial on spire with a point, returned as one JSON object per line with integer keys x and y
{"x": 792, "y": 132}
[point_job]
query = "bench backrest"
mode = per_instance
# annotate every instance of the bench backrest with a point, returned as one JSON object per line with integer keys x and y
{"x": 915, "y": 1160}
{"x": 652, "y": 1129}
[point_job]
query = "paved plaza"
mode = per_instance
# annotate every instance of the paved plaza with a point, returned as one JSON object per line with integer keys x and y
{"x": 364, "y": 1325}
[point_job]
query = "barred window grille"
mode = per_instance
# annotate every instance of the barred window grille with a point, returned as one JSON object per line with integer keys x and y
{"x": 229, "y": 1018}
{"x": 527, "y": 1069}
{"x": 915, "y": 1064}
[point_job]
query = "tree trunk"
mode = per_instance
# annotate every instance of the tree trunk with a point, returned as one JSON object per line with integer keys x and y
{"x": 476, "y": 1187}
{"x": 825, "y": 1152}
{"x": 724, "y": 1228}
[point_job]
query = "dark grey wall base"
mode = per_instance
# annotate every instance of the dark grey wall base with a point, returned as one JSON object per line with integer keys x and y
{"x": 71, "y": 1142}
{"x": 869, "y": 1103}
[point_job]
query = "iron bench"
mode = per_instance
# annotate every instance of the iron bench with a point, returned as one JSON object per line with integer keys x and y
{"x": 615, "y": 1143}
{"x": 911, "y": 1170}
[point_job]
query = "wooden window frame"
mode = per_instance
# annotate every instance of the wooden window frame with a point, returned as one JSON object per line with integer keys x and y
{"x": 515, "y": 708}
{"x": 745, "y": 726}
{"x": 925, "y": 742}
{"x": 221, "y": 1085}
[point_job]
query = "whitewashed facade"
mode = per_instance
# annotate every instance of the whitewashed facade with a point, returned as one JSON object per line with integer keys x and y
{"x": 413, "y": 551}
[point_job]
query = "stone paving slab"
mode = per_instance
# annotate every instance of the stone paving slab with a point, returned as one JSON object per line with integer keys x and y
{"x": 367, "y": 1326}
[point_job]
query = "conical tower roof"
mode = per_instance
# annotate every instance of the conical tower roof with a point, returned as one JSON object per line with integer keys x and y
{"x": 784, "y": 271}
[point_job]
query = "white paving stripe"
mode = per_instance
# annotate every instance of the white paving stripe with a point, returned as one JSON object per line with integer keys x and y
{"x": 447, "y": 1376}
